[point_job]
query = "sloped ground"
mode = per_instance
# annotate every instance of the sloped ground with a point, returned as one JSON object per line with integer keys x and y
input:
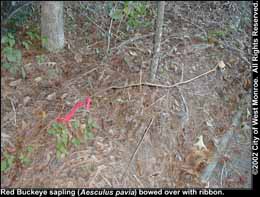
{"x": 172, "y": 118}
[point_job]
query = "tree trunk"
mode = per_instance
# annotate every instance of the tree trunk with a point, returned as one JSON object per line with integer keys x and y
{"x": 157, "y": 39}
{"x": 52, "y": 25}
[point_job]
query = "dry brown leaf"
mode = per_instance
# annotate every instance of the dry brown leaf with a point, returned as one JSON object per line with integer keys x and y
{"x": 51, "y": 97}
{"x": 221, "y": 65}
{"x": 247, "y": 84}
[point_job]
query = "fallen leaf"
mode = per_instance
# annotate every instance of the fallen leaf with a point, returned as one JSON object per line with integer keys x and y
{"x": 15, "y": 83}
{"x": 63, "y": 96}
{"x": 221, "y": 65}
{"x": 200, "y": 144}
{"x": 51, "y": 97}
{"x": 247, "y": 84}
{"x": 38, "y": 79}
{"x": 42, "y": 114}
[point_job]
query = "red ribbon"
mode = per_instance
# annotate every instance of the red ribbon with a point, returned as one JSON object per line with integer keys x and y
{"x": 78, "y": 105}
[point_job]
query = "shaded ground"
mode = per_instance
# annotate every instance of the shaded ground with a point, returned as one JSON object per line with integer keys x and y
{"x": 167, "y": 156}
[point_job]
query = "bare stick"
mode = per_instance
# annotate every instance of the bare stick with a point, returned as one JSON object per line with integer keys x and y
{"x": 155, "y": 85}
{"x": 161, "y": 85}
{"x": 224, "y": 141}
{"x": 132, "y": 40}
{"x": 109, "y": 31}
{"x": 136, "y": 149}
{"x": 185, "y": 111}
{"x": 13, "y": 107}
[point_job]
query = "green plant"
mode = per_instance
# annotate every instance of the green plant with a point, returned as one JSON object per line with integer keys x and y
{"x": 134, "y": 12}
{"x": 40, "y": 59}
{"x": 217, "y": 34}
{"x": 75, "y": 141}
{"x": 62, "y": 138}
{"x": 26, "y": 44}
{"x": 90, "y": 125}
{"x": 12, "y": 57}
{"x": 24, "y": 157}
{"x": 44, "y": 40}
{"x": 7, "y": 162}
{"x": 33, "y": 35}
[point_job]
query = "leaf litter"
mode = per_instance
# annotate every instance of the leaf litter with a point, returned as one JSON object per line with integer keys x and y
{"x": 170, "y": 154}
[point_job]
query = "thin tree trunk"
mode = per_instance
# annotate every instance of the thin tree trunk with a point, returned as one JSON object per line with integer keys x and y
{"x": 52, "y": 25}
{"x": 157, "y": 39}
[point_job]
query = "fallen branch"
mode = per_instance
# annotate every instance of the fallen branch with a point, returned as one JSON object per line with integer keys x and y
{"x": 156, "y": 85}
{"x": 161, "y": 85}
{"x": 131, "y": 40}
{"x": 222, "y": 146}
{"x": 136, "y": 149}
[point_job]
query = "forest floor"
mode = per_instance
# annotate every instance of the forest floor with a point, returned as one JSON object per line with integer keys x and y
{"x": 195, "y": 134}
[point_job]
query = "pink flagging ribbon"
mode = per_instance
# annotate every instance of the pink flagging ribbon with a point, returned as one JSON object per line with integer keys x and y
{"x": 78, "y": 105}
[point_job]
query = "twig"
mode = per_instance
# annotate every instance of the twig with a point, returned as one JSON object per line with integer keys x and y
{"x": 185, "y": 112}
{"x": 161, "y": 85}
{"x": 120, "y": 24}
{"x": 81, "y": 76}
{"x": 221, "y": 176}
{"x": 153, "y": 84}
{"x": 207, "y": 172}
{"x": 90, "y": 71}
{"x": 155, "y": 102}
{"x": 131, "y": 40}
{"x": 13, "y": 107}
{"x": 140, "y": 81}
{"x": 188, "y": 21}
{"x": 104, "y": 31}
{"x": 109, "y": 31}
{"x": 136, "y": 149}
{"x": 138, "y": 180}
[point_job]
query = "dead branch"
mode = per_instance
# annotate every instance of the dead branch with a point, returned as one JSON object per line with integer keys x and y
{"x": 221, "y": 148}
{"x": 136, "y": 149}
{"x": 131, "y": 40}
{"x": 156, "y": 85}
{"x": 161, "y": 85}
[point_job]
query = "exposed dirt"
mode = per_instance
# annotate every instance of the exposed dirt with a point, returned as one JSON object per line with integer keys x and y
{"x": 167, "y": 156}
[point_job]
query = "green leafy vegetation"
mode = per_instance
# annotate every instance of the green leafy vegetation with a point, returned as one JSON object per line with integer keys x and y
{"x": 63, "y": 139}
{"x": 7, "y": 162}
{"x": 88, "y": 130}
{"x": 133, "y": 12}
{"x": 12, "y": 57}
{"x": 40, "y": 59}
{"x": 24, "y": 157}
